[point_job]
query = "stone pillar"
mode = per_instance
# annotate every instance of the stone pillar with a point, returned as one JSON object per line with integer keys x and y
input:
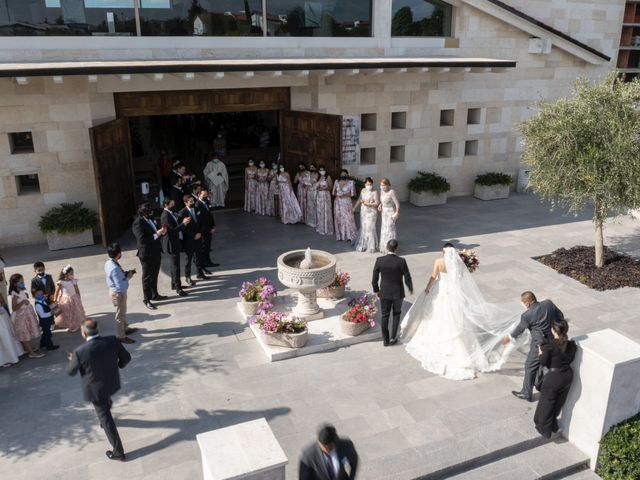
{"x": 247, "y": 451}
{"x": 604, "y": 390}
{"x": 382, "y": 18}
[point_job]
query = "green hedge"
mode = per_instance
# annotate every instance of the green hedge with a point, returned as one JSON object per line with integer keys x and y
{"x": 494, "y": 178}
{"x": 619, "y": 457}
{"x": 429, "y": 182}
{"x": 68, "y": 218}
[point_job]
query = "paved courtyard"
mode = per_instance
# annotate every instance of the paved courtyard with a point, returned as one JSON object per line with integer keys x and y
{"x": 196, "y": 366}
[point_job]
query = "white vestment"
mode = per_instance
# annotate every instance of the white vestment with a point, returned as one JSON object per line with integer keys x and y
{"x": 218, "y": 180}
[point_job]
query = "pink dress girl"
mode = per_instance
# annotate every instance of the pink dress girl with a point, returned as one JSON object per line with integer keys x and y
{"x": 324, "y": 212}
{"x": 273, "y": 203}
{"x": 345, "y": 222}
{"x": 69, "y": 303}
{"x": 23, "y": 317}
{"x": 262, "y": 193}
{"x": 250, "y": 188}
{"x": 310, "y": 215}
{"x": 289, "y": 209}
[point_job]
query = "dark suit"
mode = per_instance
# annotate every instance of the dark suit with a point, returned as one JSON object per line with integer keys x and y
{"x": 191, "y": 246}
{"x": 98, "y": 361}
{"x": 207, "y": 222}
{"x": 177, "y": 195}
{"x": 150, "y": 255}
{"x": 172, "y": 244}
{"x": 49, "y": 287}
{"x": 537, "y": 319}
{"x": 393, "y": 270}
{"x": 314, "y": 465}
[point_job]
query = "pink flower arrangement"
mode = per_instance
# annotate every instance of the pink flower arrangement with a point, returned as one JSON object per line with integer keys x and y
{"x": 341, "y": 280}
{"x": 261, "y": 291}
{"x": 470, "y": 259}
{"x": 274, "y": 322}
{"x": 362, "y": 309}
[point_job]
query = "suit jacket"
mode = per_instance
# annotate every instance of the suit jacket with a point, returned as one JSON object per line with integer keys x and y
{"x": 191, "y": 229}
{"x": 148, "y": 247}
{"x": 206, "y": 216}
{"x": 313, "y": 465}
{"x": 171, "y": 242}
{"x": 49, "y": 289}
{"x": 177, "y": 195}
{"x": 537, "y": 318}
{"x": 98, "y": 361}
{"x": 393, "y": 269}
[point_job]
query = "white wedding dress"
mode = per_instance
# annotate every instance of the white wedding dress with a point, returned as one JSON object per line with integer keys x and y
{"x": 453, "y": 331}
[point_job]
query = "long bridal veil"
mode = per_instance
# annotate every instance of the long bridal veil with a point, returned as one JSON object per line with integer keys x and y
{"x": 458, "y": 321}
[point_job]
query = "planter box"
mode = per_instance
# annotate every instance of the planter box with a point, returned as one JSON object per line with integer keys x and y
{"x": 352, "y": 329}
{"x": 60, "y": 241}
{"x": 291, "y": 340}
{"x": 491, "y": 192}
{"x": 250, "y": 308}
{"x": 426, "y": 199}
{"x": 331, "y": 292}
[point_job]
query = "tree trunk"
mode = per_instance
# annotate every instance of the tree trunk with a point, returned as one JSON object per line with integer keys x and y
{"x": 599, "y": 243}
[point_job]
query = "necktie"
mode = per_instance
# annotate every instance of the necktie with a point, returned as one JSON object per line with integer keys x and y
{"x": 329, "y": 463}
{"x": 153, "y": 225}
{"x": 193, "y": 214}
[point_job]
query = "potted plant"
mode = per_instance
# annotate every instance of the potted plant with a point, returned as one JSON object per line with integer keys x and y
{"x": 360, "y": 315}
{"x": 282, "y": 330}
{"x": 337, "y": 288}
{"x": 256, "y": 296}
{"x": 492, "y": 186}
{"x": 68, "y": 225}
{"x": 428, "y": 189}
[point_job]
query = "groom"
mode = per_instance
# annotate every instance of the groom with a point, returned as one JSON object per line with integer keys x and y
{"x": 391, "y": 291}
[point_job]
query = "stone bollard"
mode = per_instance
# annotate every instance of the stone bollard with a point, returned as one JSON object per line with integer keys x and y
{"x": 244, "y": 451}
{"x": 604, "y": 390}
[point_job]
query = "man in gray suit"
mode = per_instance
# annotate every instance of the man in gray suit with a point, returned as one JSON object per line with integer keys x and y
{"x": 330, "y": 458}
{"x": 537, "y": 319}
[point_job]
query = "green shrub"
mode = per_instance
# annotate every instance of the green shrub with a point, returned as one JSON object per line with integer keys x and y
{"x": 357, "y": 183}
{"x": 494, "y": 178}
{"x": 68, "y": 218}
{"x": 429, "y": 182}
{"x": 619, "y": 457}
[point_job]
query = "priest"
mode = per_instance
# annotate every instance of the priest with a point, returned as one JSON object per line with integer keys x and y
{"x": 215, "y": 173}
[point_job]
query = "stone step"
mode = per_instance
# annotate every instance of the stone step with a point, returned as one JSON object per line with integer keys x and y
{"x": 586, "y": 474}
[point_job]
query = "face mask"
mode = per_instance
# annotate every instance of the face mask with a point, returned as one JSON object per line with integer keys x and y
{"x": 369, "y": 187}
{"x": 343, "y": 176}
{"x": 262, "y": 165}
{"x": 70, "y": 277}
{"x": 40, "y": 297}
{"x": 313, "y": 169}
{"x": 523, "y": 305}
{"x": 21, "y": 286}
{"x": 322, "y": 172}
{"x": 301, "y": 167}
{"x": 384, "y": 188}
{"x": 215, "y": 160}
{"x": 41, "y": 274}
{"x": 251, "y": 164}
{"x": 282, "y": 169}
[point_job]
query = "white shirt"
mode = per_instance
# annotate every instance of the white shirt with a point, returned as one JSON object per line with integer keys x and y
{"x": 153, "y": 225}
{"x": 335, "y": 461}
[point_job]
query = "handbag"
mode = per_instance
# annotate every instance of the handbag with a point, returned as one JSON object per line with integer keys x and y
{"x": 540, "y": 374}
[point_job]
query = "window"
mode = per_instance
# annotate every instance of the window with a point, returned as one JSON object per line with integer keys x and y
{"x": 446, "y": 118}
{"x": 471, "y": 147}
{"x": 398, "y": 120}
{"x": 473, "y": 116}
{"x": 367, "y": 156}
{"x": 21, "y": 142}
{"x": 445, "y": 149}
{"x": 397, "y": 154}
{"x": 28, "y": 184}
{"x": 421, "y": 18}
{"x": 368, "y": 121}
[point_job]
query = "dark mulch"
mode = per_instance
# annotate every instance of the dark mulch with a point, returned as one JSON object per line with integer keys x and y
{"x": 619, "y": 270}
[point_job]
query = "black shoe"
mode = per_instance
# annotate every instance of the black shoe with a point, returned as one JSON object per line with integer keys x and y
{"x": 206, "y": 272}
{"x": 181, "y": 293}
{"x": 114, "y": 456}
{"x": 158, "y": 297}
{"x": 150, "y": 305}
{"x": 126, "y": 340}
{"x": 385, "y": 344}
{"x": 130, "y": 330}
{"x": 521, "y": 395}
{"x": 393, "y": 341}
{"x": 201, "y": 276}
{"x": 213, "y": 265}
{"x": 189, "y": 282}
{"x": 53, "y": 347}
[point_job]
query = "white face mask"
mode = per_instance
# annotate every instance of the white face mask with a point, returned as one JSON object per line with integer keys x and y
{"x": 523, "y": 305}
{"x": 215, "y": 160}
{"x": 384, "y": 188}
{"x": 262, "y": 165}
{"x": 251, "y": 164}
{"x": 369, "y": 187}
{"x": 282, "y": 169}
{"x": 322, "y": 172}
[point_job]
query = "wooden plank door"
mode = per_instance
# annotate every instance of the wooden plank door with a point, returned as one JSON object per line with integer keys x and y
{"x": 311, "y": 137}
{"x": 113, "y": 167}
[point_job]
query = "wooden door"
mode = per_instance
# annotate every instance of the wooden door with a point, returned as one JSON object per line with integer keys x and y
{"x": 311, "y": 137}
{"x": 113, "y": 167}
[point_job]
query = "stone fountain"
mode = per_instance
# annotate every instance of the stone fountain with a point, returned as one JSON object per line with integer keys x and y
{"x": 307, "y": 271}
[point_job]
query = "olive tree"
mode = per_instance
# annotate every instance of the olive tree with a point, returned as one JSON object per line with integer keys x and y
{"x": 584, "y": 150}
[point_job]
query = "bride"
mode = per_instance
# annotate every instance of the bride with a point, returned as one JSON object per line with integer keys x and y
{"x": 451, "y": 329}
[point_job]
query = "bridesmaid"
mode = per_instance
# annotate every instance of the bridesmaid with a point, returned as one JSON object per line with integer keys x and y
{"x": 368, "y": 236}
{"x": 262, "y": 193}
{"x": 390, "y": 208}
{"x": 25, "y": 322}
{"x": 250, "y": 186}
{"x": 311, "y": 207}
{"x": 300, "y": 179}
{"x": 289, "y": 209}
{"x": 273, "y": 204}
{"x": 345, "y": 222}
{"x": 324, "y": 216}
{"x": 67, "y": 295}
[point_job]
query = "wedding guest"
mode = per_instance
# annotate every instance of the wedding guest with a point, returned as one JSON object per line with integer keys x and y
{"x": 368, "y": 202}
{"x": 250, "y": 186}
{"x": 44, "y": 311}
{"x": 273, "y": 203}
{"x": 192, "y": 243}
{"x": 311, "y": 208}
{"x": 329, "y": 458}
{"x": 207, "y": 228}
{"x": 177, "y": 192}
{"x": 390, "y": 208}
{"x": 289, "y": 208}
{"x": 25, "y": 322}
{"x": 10, "y": 348}
{"x": 172, "y": 242}
{"x": 42, "y": 280}
{"x": 345, "y": 222}
{"x": 3, "y": 286}
{"x": 67, "y": 295}
{"x": 118, "y": 284}
{"x": 301, "y": 193}
{"x": 556, "y": 354}
{"x": 262, "y": 193}
{"x": 324, "y": 213}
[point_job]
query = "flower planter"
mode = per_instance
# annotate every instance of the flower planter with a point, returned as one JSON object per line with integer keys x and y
{"x": 353, "y": 329}
{"x": 332, "y": 292}
{"x": 427, "y": 199}
{"x": 250, "y": 308}
{"x": 60, "y": 241}
{"x": 491, "y": 192}
{"x": 289, "y": 340}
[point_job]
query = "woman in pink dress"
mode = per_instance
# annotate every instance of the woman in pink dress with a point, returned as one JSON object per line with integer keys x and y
{"x": 289, "y": 209}
{"x": 25, "y": 322}
{"x": 262, "y": 192}
{"x": 345, "y": 222}
{"x": 300, "y": 179}
{"x": 310, "y": 216}
{"x": 67, "y": 295}
{"x": 250, "y": 186}
{"x": 324, "y": 213}
{"x": 273, "y": 203}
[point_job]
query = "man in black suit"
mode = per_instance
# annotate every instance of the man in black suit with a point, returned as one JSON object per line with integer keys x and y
{"x": 391, "y": 290}
{"x": 208, "y": 227}
{"x": 192, "y": 243}
{"x": 537, "y": 319}
{"x": 177, "y": 191}
{"x": 172, "y": 242}
{"x": 98, "y": 361}
{"x": 330, "y": 458}
{"x": 148, "y": 237}
{"x": 42, "y": 281}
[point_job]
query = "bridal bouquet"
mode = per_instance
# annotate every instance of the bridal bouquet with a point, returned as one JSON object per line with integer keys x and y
{"x": 259, "y": 291}
{"x": 274, "y": 322}
{"x": 361, "y": 310}
{"x": 470, "y": 259}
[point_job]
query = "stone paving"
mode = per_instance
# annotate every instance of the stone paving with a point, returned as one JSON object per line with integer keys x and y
{"x": 197, "y": 366}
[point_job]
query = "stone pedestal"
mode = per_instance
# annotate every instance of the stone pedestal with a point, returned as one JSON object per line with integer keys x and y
{"x": 61, "y": 241}
{"x": 604, "y": 390}
{"x": 244, "y": 451}
{"x": 427, "y": 199}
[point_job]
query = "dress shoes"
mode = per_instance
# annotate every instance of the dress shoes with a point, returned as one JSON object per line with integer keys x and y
{"x": 114, "y": 456}
{"x": 385, "y": 344}
{"x": 159, "y": 297}
{"x": 521, "y": 395}
{"x": 126, "y": 340}
{"x": 130, "y": 330}
{"x": 189, "y": 282}
{"x": 181, "y": 293}
{"x": 201, "y": 276}
{"x": 213, "y": 264}
{"x": 393, "y": 341}
{"x": 53, "y": 347}
{"x": 150, "y": 305}
{"x": 206, "y": 272}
